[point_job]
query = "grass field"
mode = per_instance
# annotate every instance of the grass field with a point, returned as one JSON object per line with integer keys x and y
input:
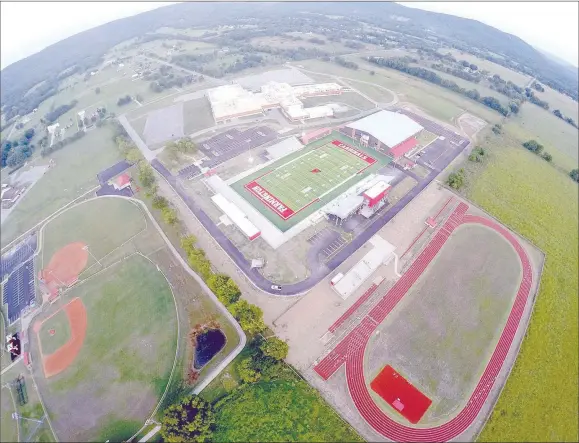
{"x": 124, "y": 364}
{"x": 505, "y": 73}
{"x": 296, "y": 184}
{"x": 8, "y": 426}
{"x": 61, "y": 326}
{"x": 556, "y": 100}
{"x": 74, "y": 174}
{"x": 372, "y": 91}
{"x": 559, "y": 138}
{"x": 281, "y": 410}
{"x": 539, "y": 402}
{"x": 292, "y": 181}
{"x": 445, "y": 358}
{"x": 118, "y": 220}
{"x": 352, "y": 99}
{"x": 441, "y": 104}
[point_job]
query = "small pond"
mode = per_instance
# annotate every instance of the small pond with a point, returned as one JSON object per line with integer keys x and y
{"x": 209, "y": 343}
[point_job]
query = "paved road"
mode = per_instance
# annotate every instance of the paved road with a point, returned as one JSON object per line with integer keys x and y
{"x": 147, "y": 153}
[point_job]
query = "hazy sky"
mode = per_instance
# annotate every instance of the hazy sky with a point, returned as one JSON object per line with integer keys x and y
{"x": 27, "y": 28}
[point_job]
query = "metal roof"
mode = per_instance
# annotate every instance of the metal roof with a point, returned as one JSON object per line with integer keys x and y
{"x": 389, "y": 127}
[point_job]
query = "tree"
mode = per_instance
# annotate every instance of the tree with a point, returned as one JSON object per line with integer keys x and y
{"x": 97, "y": 90}
{"x": 558, "y": 113}
{"x": 275, "y": 348}
{"x": 497, "y": 129}
{"x": 29, "y": 133}
{"x": 188, "y": 243}
{"x": 169, "y": 215}
{"x": 546, "y": 156}
{"x": 134, "y": 155}
{"x": 514, "y": 107}
{"x": 160, "y": 202}
{"x": 250, "y": 317}
{"x": 533, "y": 146}
{"x": 246, "y": 372}
{"x": 224, "y": 288}
{"x": 456, "y": 179}
{"x": 574, "y": 174}
{"x": 16, "y": 158}
{"x": 190, "y": 420}
{"x": 146, "y": 175}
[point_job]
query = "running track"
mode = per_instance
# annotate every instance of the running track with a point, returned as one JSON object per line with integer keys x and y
{"x": 350, "y": 351}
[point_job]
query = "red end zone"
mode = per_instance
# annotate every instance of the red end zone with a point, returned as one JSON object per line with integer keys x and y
{"x": 361, "y": 155}
{"x": 269, "y": 200}
{"x": 400, "y": 394}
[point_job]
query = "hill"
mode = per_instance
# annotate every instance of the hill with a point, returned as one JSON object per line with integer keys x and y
{"x": 86, "y": 49}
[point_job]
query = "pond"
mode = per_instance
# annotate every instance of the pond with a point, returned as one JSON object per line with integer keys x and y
{"x": 209, "y": 343}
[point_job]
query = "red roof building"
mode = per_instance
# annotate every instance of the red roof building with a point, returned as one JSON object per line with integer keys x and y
{"x": 122, "y": 181}
{"x": 404, "y": 147}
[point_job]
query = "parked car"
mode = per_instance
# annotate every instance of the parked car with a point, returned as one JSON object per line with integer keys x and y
{"x": 276, "y": 287}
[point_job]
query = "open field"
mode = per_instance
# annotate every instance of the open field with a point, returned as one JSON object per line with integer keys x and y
{"x": 30, "y": 431}
{"x": 305, "y": 205}
{"x": 352, "y": 99}
{"x": 505, "y": 73}
{"x": 124, "y": 364}
{"x": 8, "y": 426}
{"x": 74, "y": 174}
{"x": 123, "y": 220}
{"x": 441, "y": 104}
{"x": 556, "y": 100}
{"x": 539, "y": 402}
{"x": 445, "y": 329}
{"x": 372, "y": 91}
{"x": 559, "y": 138}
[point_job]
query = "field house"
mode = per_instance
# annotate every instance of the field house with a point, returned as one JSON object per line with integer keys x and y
{"x": 332, "y": 172}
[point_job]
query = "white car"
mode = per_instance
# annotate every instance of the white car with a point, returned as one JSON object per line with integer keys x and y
{"x": 276, "y": 287}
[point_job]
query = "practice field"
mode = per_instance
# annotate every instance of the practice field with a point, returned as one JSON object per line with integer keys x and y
{"x": 294, "y": 187}
{"x": 125, "y": 357}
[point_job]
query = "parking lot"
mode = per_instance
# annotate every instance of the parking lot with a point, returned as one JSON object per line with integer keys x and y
{"x": 438, "y": 154}
{"x": 225, "y": 146}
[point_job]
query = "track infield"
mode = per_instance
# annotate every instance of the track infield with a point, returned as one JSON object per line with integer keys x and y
{"x": 352, "y": 349}
{"x": 292, "y": 188}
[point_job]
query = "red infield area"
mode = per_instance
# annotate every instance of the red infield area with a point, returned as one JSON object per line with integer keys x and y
{"x": 400, "y": 394}
{"x": 350, "y": 351}
{"x": 64, "y": 267}
{"x": 293, "y": 186}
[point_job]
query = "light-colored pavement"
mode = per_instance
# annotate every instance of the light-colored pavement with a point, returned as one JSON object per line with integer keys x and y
{"x": 147, "y": 153}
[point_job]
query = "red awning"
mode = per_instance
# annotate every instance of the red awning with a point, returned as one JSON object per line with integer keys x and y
{"x": 402, "y": 148}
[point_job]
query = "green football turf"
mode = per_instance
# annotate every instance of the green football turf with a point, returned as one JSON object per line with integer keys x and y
{"x": 289, "y": 190}
{"x": 296, "y": 185}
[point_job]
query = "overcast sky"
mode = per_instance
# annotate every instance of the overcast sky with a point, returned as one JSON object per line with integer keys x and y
{"x": 27, "y": 28}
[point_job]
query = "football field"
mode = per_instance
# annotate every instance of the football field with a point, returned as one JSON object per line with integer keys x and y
{"x": 303, "y": 182}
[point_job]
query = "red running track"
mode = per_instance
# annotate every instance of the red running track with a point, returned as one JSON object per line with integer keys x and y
{"x": 365, "y": 296}
{"x": 350, "y": 351}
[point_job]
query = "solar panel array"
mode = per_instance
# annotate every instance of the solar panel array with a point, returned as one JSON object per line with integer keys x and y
{"x": 19, "y": 290}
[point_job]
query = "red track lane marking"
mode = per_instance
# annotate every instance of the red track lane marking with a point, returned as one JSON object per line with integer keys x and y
{"x": 351, "y": 349}
{"x": 365, "y": 296}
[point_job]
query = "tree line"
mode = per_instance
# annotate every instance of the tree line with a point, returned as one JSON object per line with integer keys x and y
{"x": 53, "y": 115}
{"x": 401, "y": 64}
{"x": 14, "y": 153}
